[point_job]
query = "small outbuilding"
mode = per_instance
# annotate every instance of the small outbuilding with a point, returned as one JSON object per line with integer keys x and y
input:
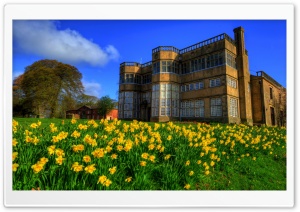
{"x": 87, "y": 112}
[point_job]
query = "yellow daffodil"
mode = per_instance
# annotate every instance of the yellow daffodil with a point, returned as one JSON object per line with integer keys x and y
{"x": 108, "y": 148}
{"x": 107, "y": 183}
{"x": 15, "y": 123}
{"x": 75, "y": 134}
{"x": 87, "y": 158}
{"x": 33, "y": 125}
{"x": 102, "y": 179}
{"x": 15, "y": 167}
{"x": 82, "y": 127}
{"x": 14, "y": 142}
{"x": 151, "y": 146}
{"x": 112, "y": 170}
{"x": 145, "y": 155}
{"x": 53, "y": 128}
{"x": 59, "y": 160}
{"x": 14, "y": 155}
{"x": 55, "y": 139}
{"x": 98, "y": 153}
{"x": 43, "y": 160}
{"x": 167, "y": 157}
{"x": 128, "y": 179}
{"x": 35, "y": 140}
{"x": 152, "y": 158}
{"x": 73, "y": 121}
{"x": 51, "y": 150}
{"x": 37, "y": 167}
{"x": 59, "y": 152}
{"x": 143, "y": 163}
{"x": 114, "y": 156}
{"x": 187, "y": 186}
{"x": 76, "y": 167}
{"x": 162, "y": 149}
{"x": 28, "y": 139}
{"x": 27, "y": 132}
{"x": 90, "y": 169}
{"x": 119, "y": 147}
{"x": 77, "y": 148}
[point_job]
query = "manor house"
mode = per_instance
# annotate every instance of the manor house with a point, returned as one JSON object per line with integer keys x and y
{"x": 205, "y": 82}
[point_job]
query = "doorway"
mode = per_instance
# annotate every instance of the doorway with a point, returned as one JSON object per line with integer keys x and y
{"x": 272, "y": 116}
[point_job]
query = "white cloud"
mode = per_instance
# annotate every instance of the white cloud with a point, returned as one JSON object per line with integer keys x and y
{"x": 92, "y": 88}
{"x": 45, "y": 39}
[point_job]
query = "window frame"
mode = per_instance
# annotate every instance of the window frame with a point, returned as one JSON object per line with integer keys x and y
{"x": 233, "y": 109}
{"x": 216, "y": 107}
{"x": 271, "y": 93}
{"x": 214, "y": 82}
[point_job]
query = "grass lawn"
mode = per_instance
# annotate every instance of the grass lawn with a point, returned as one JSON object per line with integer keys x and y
{"x": 131, "y": 155}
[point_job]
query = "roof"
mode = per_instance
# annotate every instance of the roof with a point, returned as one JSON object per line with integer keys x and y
{"x": 267, "y": 77}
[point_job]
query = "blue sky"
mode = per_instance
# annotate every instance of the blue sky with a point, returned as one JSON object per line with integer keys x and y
{"x": 98, "y": 47}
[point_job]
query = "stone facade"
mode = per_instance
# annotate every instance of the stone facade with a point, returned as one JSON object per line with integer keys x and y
{"x": 268, "y": 100}
{"x": 207, "y": 82}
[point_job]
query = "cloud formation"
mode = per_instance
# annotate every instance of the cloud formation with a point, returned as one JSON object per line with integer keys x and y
{"x": 92, "y": 88}
{"x": 43, "y": 38}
